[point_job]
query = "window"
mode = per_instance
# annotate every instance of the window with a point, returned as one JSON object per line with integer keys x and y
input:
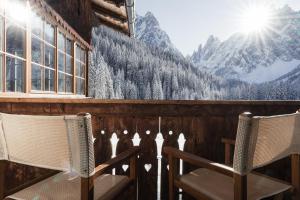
{"x": 15, "y": 57}
{"x": 80, "y": 70}
{"x": 49, "y": 56}
{"x": 65, "y": 64}
{"x": 42, "y": 55}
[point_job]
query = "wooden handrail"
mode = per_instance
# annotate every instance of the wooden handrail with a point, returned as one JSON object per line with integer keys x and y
{"x": 198, "y": 161}
{"x": 100, "y": 169}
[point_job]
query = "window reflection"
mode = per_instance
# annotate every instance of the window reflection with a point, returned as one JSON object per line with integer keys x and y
{"x": 15, "y": 40}
{"x": 49, "y": 56}
{"x": 49, "y": 79}
{"x": 49, "y": 33}
{"x": 14, "y": 74}
{"x": 36, "y": 50}
{"x": 36, "y": 77}
{"x": 1, "y": 32}
{"x": 61, "y": 82}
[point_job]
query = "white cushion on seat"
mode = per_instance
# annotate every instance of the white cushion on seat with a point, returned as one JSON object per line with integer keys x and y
{"x": 63, "y": 187}
{"x": 220, "y": 187}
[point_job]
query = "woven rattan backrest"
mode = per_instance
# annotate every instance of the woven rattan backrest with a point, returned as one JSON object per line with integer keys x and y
{"x": 55, "y": 142}
{"x": 263, "y": 140}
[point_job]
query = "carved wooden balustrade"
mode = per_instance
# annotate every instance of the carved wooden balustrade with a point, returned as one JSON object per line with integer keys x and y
{"x": 193, "y": 126}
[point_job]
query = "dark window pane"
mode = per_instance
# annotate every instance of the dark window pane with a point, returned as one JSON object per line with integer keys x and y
{"x": 61, "y": 42}
{"x": 14, "y": 75}
{"x": 69, "y": 68}
{"x": 49, "y": 80}
{"x": 36, "y": 50}
{"x": 82, "y": 56}
{"x": 49, "y": 56}
{"x": 69, "y": 47}
{"x": 82, "y": 71}
{"x": 78, "y": 52}
{"x": 49, "y": 33}
{"x": 80, "y": 86}
{"x": 78, "y": 68}
{"x": 36, "y": 77}
{"x": 61, "y": 82}
{"x": 61, "y": 62}
{"x": 69, "y": 84}
{"x": 36, "y": 25}
{"x": 15, "y": 40}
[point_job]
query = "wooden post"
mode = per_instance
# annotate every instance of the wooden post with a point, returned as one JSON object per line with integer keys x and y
{"x": 295, "y": 173}
{"x": 240, "y": 187}
{"x": 133, "y": 174}
{"x": 2, "y": 178}
{"x": 227, "y": 154}
{"x": 173, "y": 170}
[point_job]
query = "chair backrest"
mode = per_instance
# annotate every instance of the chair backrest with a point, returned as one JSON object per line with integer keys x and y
{"x": 262, "y": 140}
{"x": 55, "y": 142}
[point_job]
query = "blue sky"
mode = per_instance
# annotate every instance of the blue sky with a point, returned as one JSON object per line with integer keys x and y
{"x": 190, "y": 22}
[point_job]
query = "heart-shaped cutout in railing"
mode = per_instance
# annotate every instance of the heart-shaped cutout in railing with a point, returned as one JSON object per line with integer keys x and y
{"x": 125, "y": 167}
{"x": 148, "y": 167}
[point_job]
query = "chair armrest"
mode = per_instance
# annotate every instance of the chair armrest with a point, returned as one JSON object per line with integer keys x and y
{"x": 228, "y": 141}
{"x": 198, "y": 161}
{"x": 119, "y": 159}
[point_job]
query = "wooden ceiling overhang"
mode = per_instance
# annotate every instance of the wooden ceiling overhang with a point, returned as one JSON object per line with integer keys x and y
{"x": 41, "y": 7}
{"x": 112, "y": 13}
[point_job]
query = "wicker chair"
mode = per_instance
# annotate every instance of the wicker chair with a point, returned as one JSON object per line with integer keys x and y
{"x": 259, "y": 142}
{"x": 65, "y": 144}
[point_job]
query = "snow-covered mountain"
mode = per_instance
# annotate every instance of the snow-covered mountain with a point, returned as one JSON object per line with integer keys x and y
{"x": 148, "y": 30}
{"x": 255, "y": 58}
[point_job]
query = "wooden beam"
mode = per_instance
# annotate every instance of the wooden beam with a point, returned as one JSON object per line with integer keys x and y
{"x": 103, "y": 7}
{"x": 106, "y": 20}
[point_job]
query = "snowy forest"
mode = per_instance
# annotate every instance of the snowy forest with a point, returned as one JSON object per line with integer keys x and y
{"x": 126, "y": 68}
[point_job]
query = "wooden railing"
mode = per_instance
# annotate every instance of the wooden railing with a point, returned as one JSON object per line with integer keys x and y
{"x": 193, "y": 126}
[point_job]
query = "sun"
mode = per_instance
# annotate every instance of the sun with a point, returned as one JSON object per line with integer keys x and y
{"x": 256, "y": 19}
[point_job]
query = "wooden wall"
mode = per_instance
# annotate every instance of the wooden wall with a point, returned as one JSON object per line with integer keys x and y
{"x": 203, "y": 124}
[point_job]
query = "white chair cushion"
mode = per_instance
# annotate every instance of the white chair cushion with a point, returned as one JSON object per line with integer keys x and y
{"x": 63, "y": 187}
{"x": 220, "y": 187}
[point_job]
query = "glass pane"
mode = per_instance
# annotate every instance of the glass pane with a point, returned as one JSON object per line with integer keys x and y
{"x": 49, "y": 33}
{"x": 69, "y": 68}
{"x": 1, "y": 70}
{"x": 36, "y": 25}
{"x": 78, "y": 52}
{"x": 49, "y": 56}
{"x": 78, "y": 68}
{"x": 36, "y": 77}
{"x": 82, "y": 56}
{"x": 61, "y": 42}
{"x": 69, "y": 47}
{"x": 69, "y": 84}
{"x": 82, "y": 71}
{"x": 14, "y": 75}
{"x": 15, "y": 40}
{"x": 1, "y": 7}
{"x": 80, "y": 86}
{"x": 36, "y": 50}
{"x": 49, "y": 80}
{"x": 61, "y": 62}
{"x": 17, "y": 11}
{"x": 1, "y": 32}
{"x": 61, "y": 82}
